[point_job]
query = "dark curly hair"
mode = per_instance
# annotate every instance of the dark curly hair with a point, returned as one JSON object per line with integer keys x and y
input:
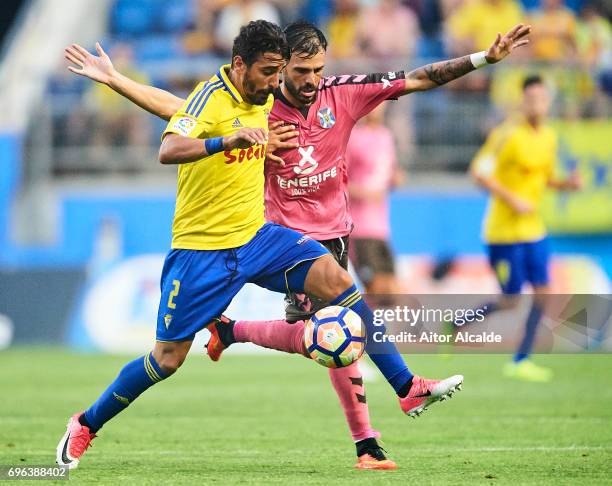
{"x": 257, "y": 38}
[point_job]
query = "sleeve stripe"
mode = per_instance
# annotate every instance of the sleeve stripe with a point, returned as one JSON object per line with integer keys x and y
{"x": 197, "y": 99}
{"x": 198, "y": 104}
{"x": 192, "y": 108}
{"x": 372, "y": 78}
{"x": 195, "y": 96}
{"x": 210, "y": 92}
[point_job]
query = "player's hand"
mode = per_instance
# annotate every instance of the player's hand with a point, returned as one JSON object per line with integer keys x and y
{"x": 98, "y": 68}
{"x": 574, "y": 182}
{"x": 278, "y": 139}
{"x": 503, "y": 46}
{"x": 521, "y": 206}
{"x": 245, "y": 138}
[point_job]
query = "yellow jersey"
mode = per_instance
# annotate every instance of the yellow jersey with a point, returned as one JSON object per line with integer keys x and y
{"x": 220, "y": 198}
{"x": 521, "y": 159}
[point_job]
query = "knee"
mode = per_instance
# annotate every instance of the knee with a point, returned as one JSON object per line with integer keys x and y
{"x": 169, "y": 361}
{"x": 326, "y": 279}
{"x": 338, "y": 281}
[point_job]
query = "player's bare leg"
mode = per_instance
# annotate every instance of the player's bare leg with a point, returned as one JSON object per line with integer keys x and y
{"x": 171, "y": 356}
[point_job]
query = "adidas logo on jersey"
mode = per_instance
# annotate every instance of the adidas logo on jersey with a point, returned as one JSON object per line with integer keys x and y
{"x": 237, "y": 123}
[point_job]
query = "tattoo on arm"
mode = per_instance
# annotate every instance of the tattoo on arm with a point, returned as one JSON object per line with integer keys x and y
{"x": 443, "y": 72}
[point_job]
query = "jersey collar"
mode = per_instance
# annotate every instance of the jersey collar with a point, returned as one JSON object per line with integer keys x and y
{"x": 230, "y": 88}
{"x": 278, "y": 94}
{"x": 529, "y": 127}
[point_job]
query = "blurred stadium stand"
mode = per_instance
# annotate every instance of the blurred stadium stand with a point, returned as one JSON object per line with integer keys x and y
{"x": 70, "y": 167}
{"x": 161, "y": 37}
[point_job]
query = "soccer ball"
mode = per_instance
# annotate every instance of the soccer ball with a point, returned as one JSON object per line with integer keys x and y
{"x": 335, "y": 337}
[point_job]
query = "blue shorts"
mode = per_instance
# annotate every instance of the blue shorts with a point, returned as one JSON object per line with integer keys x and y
{"x": 198, "y": 285}
{"x": 517, "y": 263}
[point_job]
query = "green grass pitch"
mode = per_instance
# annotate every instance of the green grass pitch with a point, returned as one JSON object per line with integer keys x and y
{"x": 274, "y": 420}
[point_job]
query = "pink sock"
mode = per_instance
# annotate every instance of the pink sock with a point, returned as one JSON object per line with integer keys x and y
{"x": 347, "y": 381}
{"x": 278, "y": 335}
{"x": 349, "y": 387}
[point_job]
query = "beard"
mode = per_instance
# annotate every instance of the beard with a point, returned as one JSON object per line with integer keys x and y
{"x": 253, "y": 95}
{"x": 299, "y": 95}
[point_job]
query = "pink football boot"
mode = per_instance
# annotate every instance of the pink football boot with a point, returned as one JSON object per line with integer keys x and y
{"x": 425, "y": 392}
{"x": 74, "y": 443}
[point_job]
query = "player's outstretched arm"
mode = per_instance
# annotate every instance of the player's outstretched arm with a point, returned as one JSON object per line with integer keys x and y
{"x": 573, "y": 182}
{"x": 177, "y": 149}
{"x": 439, "y": 73}
{"x": 100, "y": 68}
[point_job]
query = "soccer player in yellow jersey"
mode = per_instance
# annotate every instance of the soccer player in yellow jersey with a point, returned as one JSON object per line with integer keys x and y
{"x": 516, "y": 165}
{"x": 220, "y": 239}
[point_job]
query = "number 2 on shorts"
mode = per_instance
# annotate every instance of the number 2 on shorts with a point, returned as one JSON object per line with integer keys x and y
{"x": 173, "y": 294}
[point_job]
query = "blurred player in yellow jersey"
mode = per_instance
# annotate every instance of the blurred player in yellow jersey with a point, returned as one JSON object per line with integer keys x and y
{"x": 516, "y": 165}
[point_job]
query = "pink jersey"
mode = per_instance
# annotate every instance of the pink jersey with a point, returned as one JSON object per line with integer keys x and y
{"x": 372, "y": 158}
{"x": 310, "y": 194}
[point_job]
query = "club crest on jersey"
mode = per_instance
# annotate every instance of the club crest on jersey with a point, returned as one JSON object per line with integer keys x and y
{"x": 326, "y": 118}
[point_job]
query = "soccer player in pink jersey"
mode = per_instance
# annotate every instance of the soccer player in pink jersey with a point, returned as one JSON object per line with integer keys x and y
{"x": 306, "y": 189}
{"x": 372, "y": 158}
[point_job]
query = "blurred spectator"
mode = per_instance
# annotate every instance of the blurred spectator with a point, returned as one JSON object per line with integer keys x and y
{"x": 554, "y": 32}
{"x": 199, "y": 38}
{"x": 318, "y": 12}
{"x": 594, "y": 44}
{"x": 290, "y": 10}
{"x": 429, "y": 13}
{"x": 373, "y": 171}
{"x": 237, "y": 14}
{"x": 594, "y": 38}
{"x": 449, "y": 6}
{"x": 70, "y": 125}
{"x": 118, "y": 120}
{"x": 342, "y": 29}
{"x": 388, "y": 30}
{"x": 474, "y": 26}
